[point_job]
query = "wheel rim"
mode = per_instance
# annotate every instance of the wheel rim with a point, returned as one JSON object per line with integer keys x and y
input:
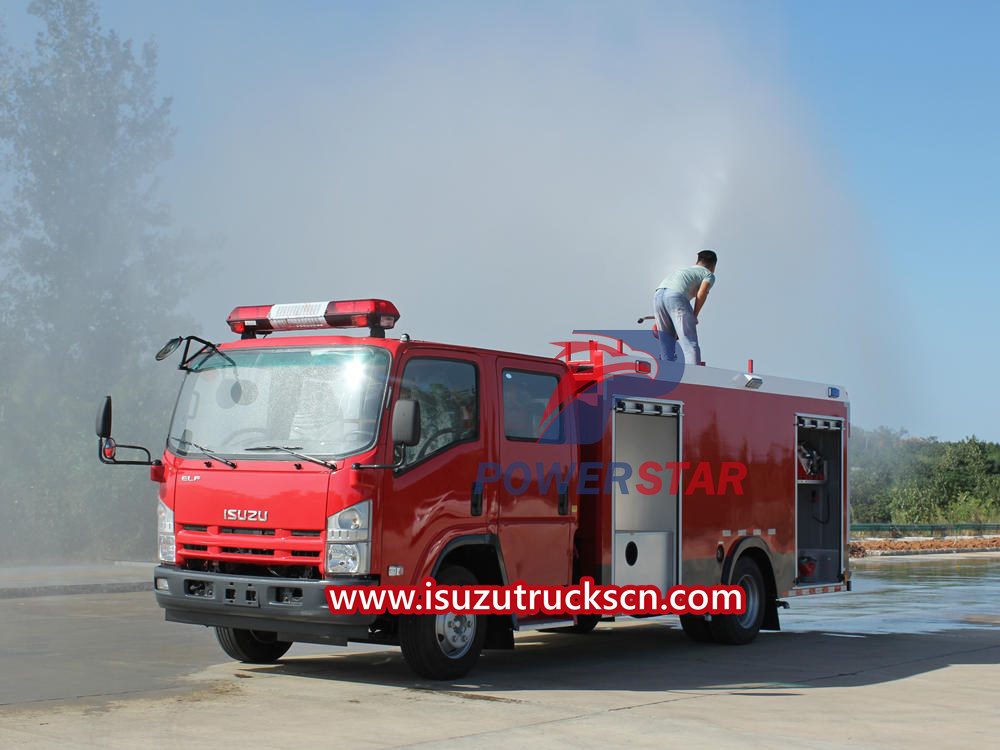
{"x": 455, "y": 634}
{"x": 749, "y": 617}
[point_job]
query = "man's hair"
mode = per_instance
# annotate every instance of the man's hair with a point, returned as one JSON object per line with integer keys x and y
{"x": 708, "y": 257}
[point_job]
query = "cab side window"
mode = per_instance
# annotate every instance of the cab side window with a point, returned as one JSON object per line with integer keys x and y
{"x": 531, "y": 407}
{"x": 448, "y": 393}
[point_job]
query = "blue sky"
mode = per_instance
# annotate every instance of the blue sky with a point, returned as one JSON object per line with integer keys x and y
{"x": 521, "y": 169}
{"x": 907, "y": 95}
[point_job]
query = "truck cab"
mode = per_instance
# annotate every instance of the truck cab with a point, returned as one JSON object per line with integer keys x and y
{"x": 281, "y": 475}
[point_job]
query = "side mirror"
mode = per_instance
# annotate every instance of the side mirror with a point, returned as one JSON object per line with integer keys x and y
{"x": 107, "y": 449}
{"x": 405, "y": 431}
{"x": 104, "y": 419}
{"x": 406, "y": 422}
{"x": 168, "y": 348}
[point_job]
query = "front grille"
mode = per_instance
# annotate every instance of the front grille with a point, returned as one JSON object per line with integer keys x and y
{"x": 280, "y": 547}
{"x": 268, "y": 570}
{"x": 246, "y": 551}
{"x": 247, "y": 532}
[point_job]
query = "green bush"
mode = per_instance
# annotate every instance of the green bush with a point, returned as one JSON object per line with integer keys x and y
{"x": 901, "y": 479}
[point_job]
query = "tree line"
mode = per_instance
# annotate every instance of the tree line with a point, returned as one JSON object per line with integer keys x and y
{"x": 90, "y": 282}
{"x": 896, "y": 478}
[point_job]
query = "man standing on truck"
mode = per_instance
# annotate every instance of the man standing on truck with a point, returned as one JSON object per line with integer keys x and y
{"x": 675, "y": 319}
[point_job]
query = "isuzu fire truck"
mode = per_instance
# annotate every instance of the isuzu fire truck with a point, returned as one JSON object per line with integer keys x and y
{"x": 294, "y": 463}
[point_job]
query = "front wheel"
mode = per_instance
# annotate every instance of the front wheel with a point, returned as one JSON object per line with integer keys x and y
{"x": 743, "y": 628}
{"x": 443, "y": 647}
{"x": 251, "y": 646}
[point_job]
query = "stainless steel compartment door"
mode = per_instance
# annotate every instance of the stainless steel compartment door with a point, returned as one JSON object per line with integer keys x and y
{"x": 647, "y": 438}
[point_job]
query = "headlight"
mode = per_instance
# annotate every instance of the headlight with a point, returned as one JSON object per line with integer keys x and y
{"x": 348, "y": 551}
{"x": 347, "y": 559}
{"x": 165, "y": 533}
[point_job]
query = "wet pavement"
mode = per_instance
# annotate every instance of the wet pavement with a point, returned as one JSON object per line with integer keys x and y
{"x": 918, "y": 594}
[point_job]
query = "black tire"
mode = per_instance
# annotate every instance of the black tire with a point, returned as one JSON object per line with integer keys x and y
{"x": 697, "y": 628}
{"x": 584, "y": 624}
{"x": 443, "y": 647}
{"x": 737, "y": 630}
{"x": 251, "y": 646}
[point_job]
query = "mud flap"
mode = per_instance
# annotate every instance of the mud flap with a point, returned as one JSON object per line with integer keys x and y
{"x": 770, "y": 621}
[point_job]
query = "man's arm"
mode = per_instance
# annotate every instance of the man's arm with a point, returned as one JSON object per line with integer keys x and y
{"x": 701, "y": 298}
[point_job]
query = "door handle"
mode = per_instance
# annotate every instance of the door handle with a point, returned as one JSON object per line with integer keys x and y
{"x": 477, "y": 499}
{"x": 564, "y": 503}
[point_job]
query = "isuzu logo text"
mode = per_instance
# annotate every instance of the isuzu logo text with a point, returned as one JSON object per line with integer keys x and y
{"x": 241, "y": 514}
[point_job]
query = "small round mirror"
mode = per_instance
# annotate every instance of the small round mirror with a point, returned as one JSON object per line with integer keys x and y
{"x": 168, "y": 348}
{"x": 109, "y": 448}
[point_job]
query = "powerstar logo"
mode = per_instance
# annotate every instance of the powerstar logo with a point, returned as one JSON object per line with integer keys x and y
{"x": 242, "y": 514}
{"x": 610, "y": 364}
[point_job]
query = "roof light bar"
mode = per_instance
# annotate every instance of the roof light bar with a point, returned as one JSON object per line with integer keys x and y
{"x": 377, "y": 314}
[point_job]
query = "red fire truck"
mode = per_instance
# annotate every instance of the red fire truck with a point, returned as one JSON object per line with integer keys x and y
{"x": 294, "y": 463}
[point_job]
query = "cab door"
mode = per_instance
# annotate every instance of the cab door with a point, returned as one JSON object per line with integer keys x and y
{"x": 429, "y": 500}
{"x": 535, "y": 524}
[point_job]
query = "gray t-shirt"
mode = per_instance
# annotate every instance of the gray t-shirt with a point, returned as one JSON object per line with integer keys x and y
{"x": 688, "y": 281}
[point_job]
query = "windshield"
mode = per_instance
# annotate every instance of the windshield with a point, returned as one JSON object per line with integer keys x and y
{"x": 320, "y": 401}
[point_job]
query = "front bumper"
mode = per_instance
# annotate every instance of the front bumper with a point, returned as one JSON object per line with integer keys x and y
{"x": 295, "y": 609}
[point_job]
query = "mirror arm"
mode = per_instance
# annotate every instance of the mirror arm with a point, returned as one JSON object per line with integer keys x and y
{"x": 150, "y": 461}
{"x": 205, "y": 345}
{"x": 397, "y": 465}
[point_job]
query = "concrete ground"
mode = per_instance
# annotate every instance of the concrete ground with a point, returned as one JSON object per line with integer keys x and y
{"x": 105, "y": 671}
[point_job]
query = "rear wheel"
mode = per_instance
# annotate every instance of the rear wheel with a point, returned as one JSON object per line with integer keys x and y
{"x": 743, "y": 628}
{"x": 443, "y": 647}
{"x": 251, "y": 646}
{"x": 584, "y": 623}
{"x": 697, "y": 628}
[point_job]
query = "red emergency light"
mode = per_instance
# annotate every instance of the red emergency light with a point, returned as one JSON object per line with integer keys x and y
{"x": 376, "y": 314}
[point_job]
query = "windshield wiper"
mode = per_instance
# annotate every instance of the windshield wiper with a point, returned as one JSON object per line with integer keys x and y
{"x": 292, "y": 450}
{"x": 206, "y": 451}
